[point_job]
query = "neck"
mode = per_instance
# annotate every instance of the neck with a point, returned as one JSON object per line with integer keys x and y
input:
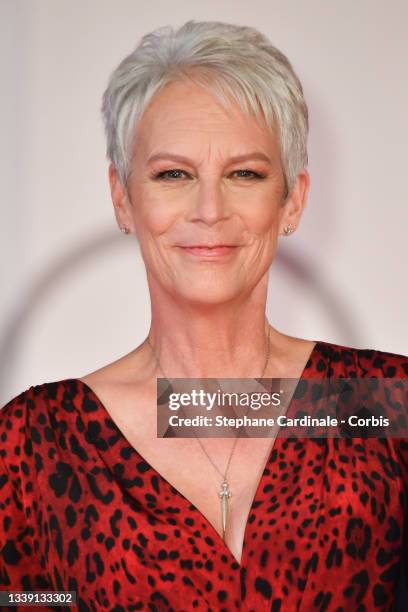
{"x": 211, "y": 341}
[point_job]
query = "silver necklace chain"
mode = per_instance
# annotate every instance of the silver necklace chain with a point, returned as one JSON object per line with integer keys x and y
{"x": 224, "y": 493}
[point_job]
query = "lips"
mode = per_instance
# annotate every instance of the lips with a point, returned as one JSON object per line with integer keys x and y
{"x": 209, "y": 251}
{"x": 207, "y": 245}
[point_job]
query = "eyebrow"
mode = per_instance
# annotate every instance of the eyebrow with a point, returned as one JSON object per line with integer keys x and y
{"x": 257, "y": 155}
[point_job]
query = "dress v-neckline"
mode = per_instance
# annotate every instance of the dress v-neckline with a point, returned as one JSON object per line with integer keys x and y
{"x": 189, "y": 505}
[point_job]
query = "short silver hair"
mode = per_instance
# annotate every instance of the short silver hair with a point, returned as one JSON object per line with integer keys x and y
{"x": 224, "y": 58}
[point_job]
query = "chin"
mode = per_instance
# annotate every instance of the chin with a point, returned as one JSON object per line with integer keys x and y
{"x": 203, "y": 294}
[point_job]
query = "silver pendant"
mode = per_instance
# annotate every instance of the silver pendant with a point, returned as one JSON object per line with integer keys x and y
{"x": 224, "y": 495}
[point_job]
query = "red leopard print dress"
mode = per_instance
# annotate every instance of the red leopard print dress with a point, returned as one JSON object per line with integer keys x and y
{"x": 81, "y": 510}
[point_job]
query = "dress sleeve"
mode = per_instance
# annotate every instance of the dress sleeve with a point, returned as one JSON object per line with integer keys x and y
{"x": 20, "y": 567}
{"x": 397, "y": 366}
{"x": 381, "y": 364}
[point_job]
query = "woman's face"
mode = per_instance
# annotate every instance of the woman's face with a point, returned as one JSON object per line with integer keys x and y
{"x": 205, "y": 177}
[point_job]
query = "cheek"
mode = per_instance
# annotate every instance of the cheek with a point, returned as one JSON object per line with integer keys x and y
{"x": 153, "y": 215}
{"x": 258, "y": 206}
{"x": 261, "y": 219}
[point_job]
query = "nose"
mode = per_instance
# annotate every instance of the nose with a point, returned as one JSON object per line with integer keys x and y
{"x": 209, "y": 204}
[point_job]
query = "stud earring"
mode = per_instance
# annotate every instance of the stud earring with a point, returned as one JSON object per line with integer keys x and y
{"x": 124, "y": 229}
{"x": 288, "y": 229}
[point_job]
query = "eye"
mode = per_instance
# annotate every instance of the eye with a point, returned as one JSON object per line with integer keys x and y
{"x": 250, "y": 174}
{"x": 173, "y": 174}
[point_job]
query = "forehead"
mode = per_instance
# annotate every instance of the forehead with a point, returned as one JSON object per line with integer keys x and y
{"x": 184, "y": 115}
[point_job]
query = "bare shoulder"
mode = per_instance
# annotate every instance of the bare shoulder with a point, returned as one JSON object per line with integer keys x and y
{"x": 125, "y": 378}
{"x": 131, "y": 367}
{"x": 290, "y": 354}
{"x": 133, "y": 370}
{"x": 291, "y": 345}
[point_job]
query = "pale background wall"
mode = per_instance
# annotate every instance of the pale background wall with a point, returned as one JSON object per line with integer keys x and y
{"x": 74, "y": 294}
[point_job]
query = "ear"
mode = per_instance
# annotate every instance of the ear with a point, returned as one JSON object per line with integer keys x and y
{"x": 295, "y": 203}
{"x": 120, "y": 199}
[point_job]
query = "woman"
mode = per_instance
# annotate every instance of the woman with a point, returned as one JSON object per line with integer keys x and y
{"x": 206, "y": 129}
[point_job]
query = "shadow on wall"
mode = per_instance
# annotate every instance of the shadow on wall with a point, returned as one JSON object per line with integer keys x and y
{"x": 42, "y": 286}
